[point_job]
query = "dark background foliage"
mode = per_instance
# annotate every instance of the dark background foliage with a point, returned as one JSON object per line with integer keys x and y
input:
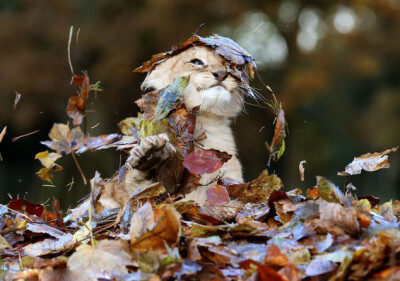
{"x": 333, "y": 64}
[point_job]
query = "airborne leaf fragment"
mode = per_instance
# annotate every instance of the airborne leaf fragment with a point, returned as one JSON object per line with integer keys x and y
{"x": 369, "y": 162}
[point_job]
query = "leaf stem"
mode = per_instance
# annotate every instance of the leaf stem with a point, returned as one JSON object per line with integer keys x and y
{"x": 79, "y": 168}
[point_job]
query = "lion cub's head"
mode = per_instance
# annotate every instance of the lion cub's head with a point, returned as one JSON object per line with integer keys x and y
{"x": 210, "y": 86}
{"x": 218, "y": 68}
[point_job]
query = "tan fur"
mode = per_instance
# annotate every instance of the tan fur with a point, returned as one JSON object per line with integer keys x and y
{"x": 218, "y": 105}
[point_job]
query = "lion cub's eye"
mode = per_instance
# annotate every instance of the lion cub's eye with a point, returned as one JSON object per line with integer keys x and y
{"x": 197, "y": 62}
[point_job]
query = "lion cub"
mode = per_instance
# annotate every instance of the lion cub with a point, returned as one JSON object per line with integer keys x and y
{"x": 218, "y": 78}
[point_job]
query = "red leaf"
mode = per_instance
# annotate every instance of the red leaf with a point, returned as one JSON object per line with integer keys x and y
{"x": 26, "y": 206}
{"x": 205, "y": 161}
{"x": 217, "y": 195}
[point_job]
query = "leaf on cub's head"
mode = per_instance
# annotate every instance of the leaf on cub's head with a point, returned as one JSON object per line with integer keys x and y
{"x": 242, "y": 63}
{"x": 369, "y": 162}
{"x": 205, "y": 161}
{"x": 64, "y": 140}
{"x": 169, "y": 97}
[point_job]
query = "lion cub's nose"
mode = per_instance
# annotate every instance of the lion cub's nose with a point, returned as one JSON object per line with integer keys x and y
{"x": 220, "y": 75}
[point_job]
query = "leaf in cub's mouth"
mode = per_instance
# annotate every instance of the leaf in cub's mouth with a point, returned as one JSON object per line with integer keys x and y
{"x": 169, "y": 96}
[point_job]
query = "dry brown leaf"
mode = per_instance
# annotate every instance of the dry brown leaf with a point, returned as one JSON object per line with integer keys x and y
{"x": 257, "y": 190}
{"x": 108, "y": 256}
{"x": 49, "y": 246}
{"x": 338, "y": 220}
{"x": 151, "y": 229}
{"x": 275, "y": 257}
{"x": 217, "y": 194}
{"x": 369, "y": 162}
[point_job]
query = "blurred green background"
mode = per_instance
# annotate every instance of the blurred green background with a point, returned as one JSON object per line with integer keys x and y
{"x": 333, "y": 64}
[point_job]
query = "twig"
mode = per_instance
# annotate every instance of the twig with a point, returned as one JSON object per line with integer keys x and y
{"x": 71, "y": 31}
{"x": 25, "y": 135}
{"x": 77, "y": 35}
{"x": 16, "y": 212}
{"x": 79, "y": 168}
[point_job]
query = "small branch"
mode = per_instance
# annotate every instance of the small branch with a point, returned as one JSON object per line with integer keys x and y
{"x": 71, "y": 31}
{"x": 79, "y": 168}
{"x": 25, "y": 135}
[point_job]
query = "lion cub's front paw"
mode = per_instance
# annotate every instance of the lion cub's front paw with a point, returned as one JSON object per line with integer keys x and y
{"x": 151, "y": 152}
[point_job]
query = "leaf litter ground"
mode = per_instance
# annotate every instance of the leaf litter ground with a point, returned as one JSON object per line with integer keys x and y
{"x": 245, "y": 231}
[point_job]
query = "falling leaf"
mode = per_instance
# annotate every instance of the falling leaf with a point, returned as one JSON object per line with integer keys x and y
{"x": 169, "y": 97}
{"x": 369, "y": 162}
{"x": 17, "y": 98}
{"x": 64, "y": 140}
{"x": 277, "y": 146}
{"x": 301, "y": 169}
{"x": 257, "y": 190}
{"x": 77, "y": 104}
{"x": 46, "y": 174}
{"x": 3, "y": 132}
{"x": 205, "y": 161}
{"x": 47, "y": 159}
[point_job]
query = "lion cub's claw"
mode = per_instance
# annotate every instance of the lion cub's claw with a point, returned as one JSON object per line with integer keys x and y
{"x": 151, "y": 153}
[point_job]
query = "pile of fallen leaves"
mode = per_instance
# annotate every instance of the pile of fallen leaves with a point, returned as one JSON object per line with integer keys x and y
{"x": 245, "y": 231}
{"x": 272, "y": 235}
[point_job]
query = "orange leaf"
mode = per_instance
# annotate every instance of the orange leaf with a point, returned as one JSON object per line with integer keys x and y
{"x": 274, "y": 256}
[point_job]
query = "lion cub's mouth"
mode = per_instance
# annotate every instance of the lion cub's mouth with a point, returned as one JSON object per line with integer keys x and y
{"x": 216, "y": 85}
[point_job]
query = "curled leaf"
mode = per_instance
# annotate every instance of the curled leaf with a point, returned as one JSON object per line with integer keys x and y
{"x": 369, "y": 162}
